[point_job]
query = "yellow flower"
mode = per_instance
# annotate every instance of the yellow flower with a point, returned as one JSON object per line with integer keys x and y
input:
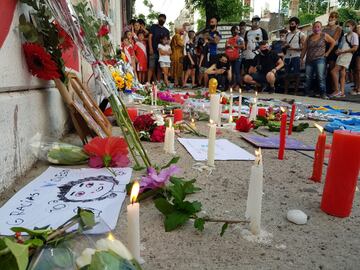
{"x": 128, "y": 85}
{"x": 119, "y": 82}
{"x": 129, "y": 77}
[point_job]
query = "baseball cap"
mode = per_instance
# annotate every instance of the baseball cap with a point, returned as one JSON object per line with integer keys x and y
{"x": 256, "y": 18}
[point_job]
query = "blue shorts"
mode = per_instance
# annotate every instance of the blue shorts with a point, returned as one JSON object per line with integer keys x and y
{"x": 259, "y": 77}
{"x": 292, "y": 65}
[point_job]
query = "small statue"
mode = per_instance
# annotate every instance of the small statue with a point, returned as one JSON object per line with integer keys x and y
{"x": 213, "y": 83}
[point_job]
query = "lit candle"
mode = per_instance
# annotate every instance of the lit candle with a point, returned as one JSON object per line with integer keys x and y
{"x": 152, "y": 94}
{"x": 282, "y": 141}
{"x": 214, "y": 107}
{"x": 169, "y": 141}
{"x": 254, "y": 199}
{"x": 319, "y": 155}
{"x": 253, "y": 112}
{"x": 231, "y": 106}
{"x": 192, "y": 124}
{"x": 133, "y": 222}
{"x": 293, "y": 111}
{"x": 342, "y": 174}
{"x": 211, "y": 144}
{"x": 240, "y": 102}
{"x": 155, "y": 94}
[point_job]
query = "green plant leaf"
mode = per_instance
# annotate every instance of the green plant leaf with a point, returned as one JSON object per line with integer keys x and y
{"x": 87, "y": 218}
{"x": 177, "y": 191}
{"x": 190, "y": 207}
{"x": 175, "y": 220}
{"x": 34, "y": 242}
{"x": 174, "y": 160}
{"x": 199, "y": 224}
{"x": 190, "y": 188}
{"x": 35, "y": 233}
{"x": 164, "y": 206}
{"x": 138, "y": 168}
{"x": 20, "y": 252}
{"x": 223, "y": 228}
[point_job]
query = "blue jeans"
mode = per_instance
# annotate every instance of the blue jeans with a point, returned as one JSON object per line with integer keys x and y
{"x": 236, "y": 70}
{"x": 317, "y": 66}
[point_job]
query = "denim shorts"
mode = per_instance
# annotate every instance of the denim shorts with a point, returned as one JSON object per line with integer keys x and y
{"x": 153, "y": 61}
{"x": 292, "y": 65}
{"x": 259, "y": 77}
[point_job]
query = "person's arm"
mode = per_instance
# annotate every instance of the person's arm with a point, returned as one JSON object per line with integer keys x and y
{"x": 211, "y": 70}
{"x": 169, "y": 51}
{"x": 331, "y": 42}
{"x": 350, "y": 50}
{"x": 161, "y": 51}
{"x": 337, "y": 34}
{"x": 151, "y": 49}
{"x": 229, "y": 74}
{"x": 265, "y": 35}
{"x": 201, "y": 59}
{"x": 304, "y": 49}
{"x": 279, "y": 65}
{"x": 252, "y": 68}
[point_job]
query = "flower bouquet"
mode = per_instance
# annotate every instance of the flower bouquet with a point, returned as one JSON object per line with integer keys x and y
{"x": 150, "y": 127}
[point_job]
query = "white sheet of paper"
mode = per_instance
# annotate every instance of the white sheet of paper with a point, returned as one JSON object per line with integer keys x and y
{"x": 54, "y": 196}
{"x": 224, "y": 150}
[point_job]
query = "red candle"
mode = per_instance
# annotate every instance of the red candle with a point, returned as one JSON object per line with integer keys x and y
{"x": 133, "y": 113}
{"x": 282, "y": 136}
{"x": 319, "y": 156}
{"x": 262, "y": 112}
{"x": 178, "y": 115}
{"x": 293, "y": 111}
{"x": 342, "y": 174}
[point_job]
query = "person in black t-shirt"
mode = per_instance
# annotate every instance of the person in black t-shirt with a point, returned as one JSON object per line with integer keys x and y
{"x": 204, "y": 58}
{"x": 190, "y": 60}
{"x": 221, "y": 71}
{"x": 264, "y": 67}
{"x": 157, "y": 31}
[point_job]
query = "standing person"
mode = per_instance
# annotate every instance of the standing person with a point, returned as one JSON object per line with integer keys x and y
{"x": 186, "y": 29}
{"x": 177, "y": 48}
{"x": 190, "y": 60}
{"x": 214, "y": 39}
{"x": 130, "y": 26}
{"x": 156, "y": 32}
{"x": 348, "y": 45}
{"x": 143, "y": 28}
{"x": 141, "y": 56}
{"x": 355, "y": 67}
{"x": 278, "y": 46}
{"x": 333, "y": 30}
{"x": 128, "y": 50}
{"x": 252, "y": 39}
{"x": 316, "y": 53}
{"x": 164, "y": 57}
{"x": 242, "y": 29}
{"x": 204, "y": 59}
{"x": 232, "y": 50}
{"x": 294, "y": 43}
{"x": 221, "y": 70}
{"x": 264, "y": 67}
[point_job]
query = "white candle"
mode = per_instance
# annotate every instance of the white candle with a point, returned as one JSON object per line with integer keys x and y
{"x": 192, "y": 124}
{"x": 211, "y": 144}
{"x": 240, "y": 102}
{"x": 156, "y": 90}
{"x": 231, "y": 106}
{"x": 254, "y": 199}
{"x": 152, "y": 97}
{"x": 253, "y": 113}
{"x": 134, "y": 223}
{"x": 214, "y": 107}
{"x": 169, "y": 142}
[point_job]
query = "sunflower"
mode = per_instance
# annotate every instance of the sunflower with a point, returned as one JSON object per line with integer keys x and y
{"x": 39, "y": 62}
{"x": 119, "y": 82}
{"x": 129, "y": 77}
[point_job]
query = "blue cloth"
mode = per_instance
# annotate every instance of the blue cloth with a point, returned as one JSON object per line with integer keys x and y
{"x": 352, "y": 124}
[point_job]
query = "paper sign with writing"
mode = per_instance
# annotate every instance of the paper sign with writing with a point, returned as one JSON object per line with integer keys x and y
{"x": 54, "y": 196}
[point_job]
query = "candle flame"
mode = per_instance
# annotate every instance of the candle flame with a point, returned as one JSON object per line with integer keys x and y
{"x": 111, "y": 237}
{"x": 211, "y": 122}
{"x": 151, "y": 112}
{"x": 256, "y": 93}
{"x": 282, "y": 109}
{"x": 320, "y": 128}
{"x": 171, "y": 112}
{"x": 240, "y": 91}
{"x": 231, "y": 90}
{"x": 192, "y": 120}
{"x": 258, "y": 152}
{"x": 258, "y": 156}
{"x": 134, "y": 192}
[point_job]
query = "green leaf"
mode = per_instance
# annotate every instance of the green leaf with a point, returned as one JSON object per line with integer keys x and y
{"x": 20, "y": 252}
{"x": 177, "y": 191}
{"x": 164, "y": 206}
{"x": 223, "y": 228}
{"x": 199, "y": 224}
{"x": 190, "y": 207}
{"x": 34, "y": 242}
{"x": 109, "y": 260}
{"x": 138, "y": 168}
{"x": 175, "y": 220}
{"x": 174, "y": 160}
{"x": 190, "y": 188}
{"x": 87, "y": 218}
{"x": 35, "y": 233}
{"x": 8, "y": 262}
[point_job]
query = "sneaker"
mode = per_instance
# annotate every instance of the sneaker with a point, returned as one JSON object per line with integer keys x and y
{"x": 324, "y": 96}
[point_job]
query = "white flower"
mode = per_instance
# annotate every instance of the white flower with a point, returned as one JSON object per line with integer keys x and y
{"x": 116, "y": 246}
{"x": 159, "y": 120}
{"x": 85, "y": 257}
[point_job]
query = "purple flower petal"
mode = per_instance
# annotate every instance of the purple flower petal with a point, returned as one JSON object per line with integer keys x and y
{"x": 154, "y": 180}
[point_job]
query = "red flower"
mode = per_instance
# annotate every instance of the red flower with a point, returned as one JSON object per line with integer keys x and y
{"x": 158, "y": 134}
{"x": 224, "y": 101}
{"x": 65, "y": 40}
{"x": 39, "y": 62}
{"x": 111, "y": 62}
{"x": 107, "y": 152}
{"x": 103, "y": 31}
{"x": 144, "y": 122}
{"x": 243, "y": 124}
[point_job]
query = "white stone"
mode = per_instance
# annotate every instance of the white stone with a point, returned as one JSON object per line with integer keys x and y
{"x": 297, "y": 216}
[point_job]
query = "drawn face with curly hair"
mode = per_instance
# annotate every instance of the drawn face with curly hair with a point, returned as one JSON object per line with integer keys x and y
{"x": 88, "y": 189}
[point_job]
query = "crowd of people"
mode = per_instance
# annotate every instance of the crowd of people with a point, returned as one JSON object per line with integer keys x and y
{"x": 330, "y": 55}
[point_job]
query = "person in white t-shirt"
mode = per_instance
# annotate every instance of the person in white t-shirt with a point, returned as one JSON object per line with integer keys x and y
{"x": 348, "y": 45}
{"x": 295, "y": 40}
{"x": 164, "y": 57}
{"x": 252, "y": 39}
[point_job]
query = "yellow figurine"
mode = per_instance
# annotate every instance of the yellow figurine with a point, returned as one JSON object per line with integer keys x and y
{"x": 213, "y": 83}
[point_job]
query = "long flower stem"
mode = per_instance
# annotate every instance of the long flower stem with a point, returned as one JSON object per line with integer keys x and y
{"x": 62, "y": 230}
{"x": 207, "y": 219}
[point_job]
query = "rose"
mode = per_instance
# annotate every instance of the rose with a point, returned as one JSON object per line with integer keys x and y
{"x": 243, "y": 124}
{"x": 103, "y": 31}
{"x": 158, "y": 134}
{"x": 144, "y": 122}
